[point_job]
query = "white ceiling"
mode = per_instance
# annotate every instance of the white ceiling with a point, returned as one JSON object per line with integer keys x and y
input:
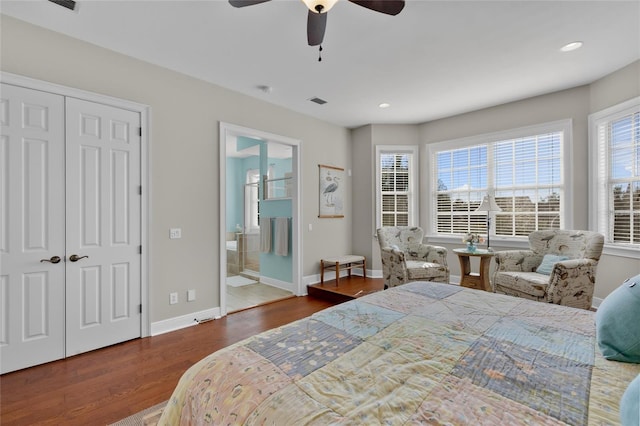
{"x": 435, "y": 59}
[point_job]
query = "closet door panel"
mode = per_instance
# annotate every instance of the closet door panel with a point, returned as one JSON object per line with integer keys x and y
{"x": 32, "y": 228}
{"x": 103, "y": 224}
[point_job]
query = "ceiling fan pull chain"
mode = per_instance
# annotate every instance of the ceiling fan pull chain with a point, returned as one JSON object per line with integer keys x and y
{"x": 320, "y": 54}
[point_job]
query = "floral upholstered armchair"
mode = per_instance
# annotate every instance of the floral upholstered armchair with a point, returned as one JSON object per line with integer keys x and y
{"x": 559, "y": 268}
{"x": 405, "y": 258}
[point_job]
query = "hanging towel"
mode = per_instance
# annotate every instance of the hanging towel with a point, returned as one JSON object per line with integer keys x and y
{"x": 265, "y": 234}
{"x": 282, "y": 236}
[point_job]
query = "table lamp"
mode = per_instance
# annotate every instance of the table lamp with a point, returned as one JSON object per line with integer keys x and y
{"x": 488, "y": 205}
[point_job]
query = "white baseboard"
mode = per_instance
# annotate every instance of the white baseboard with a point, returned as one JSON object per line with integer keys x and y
{"x": 283, "y": 285}
{"x": 184, "y": 321}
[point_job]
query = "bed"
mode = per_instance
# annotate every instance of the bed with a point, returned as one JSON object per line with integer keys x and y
{"x": 420, "y": 353}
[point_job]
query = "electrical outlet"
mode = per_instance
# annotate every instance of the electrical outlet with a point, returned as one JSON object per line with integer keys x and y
{"x": 191, "y": 295}
{"x": 175, "y": 233}
{"x": 173, "y": 298}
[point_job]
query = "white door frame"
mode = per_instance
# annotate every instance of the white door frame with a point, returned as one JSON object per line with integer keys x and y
{"x": 232, "y": 130}
{"x": 145, "y": 166}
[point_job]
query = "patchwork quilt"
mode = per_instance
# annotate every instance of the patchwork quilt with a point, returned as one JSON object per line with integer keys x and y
{"x": 420, "y": 353}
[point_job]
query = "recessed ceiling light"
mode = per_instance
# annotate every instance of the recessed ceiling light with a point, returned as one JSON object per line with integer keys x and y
{"x": 384, "y": 105}
{"x": 571, "y": 46}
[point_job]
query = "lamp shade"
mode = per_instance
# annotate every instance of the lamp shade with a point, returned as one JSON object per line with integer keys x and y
{"x": 488, "y": 205}
{"x": 325, "y": 5}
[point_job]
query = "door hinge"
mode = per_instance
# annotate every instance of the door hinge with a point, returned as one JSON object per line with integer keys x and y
{"x": 139, "y": 249}
{"x": 140, "y": 190}
{"x": 140, "y": 131}
{"x": 140, "y": 308}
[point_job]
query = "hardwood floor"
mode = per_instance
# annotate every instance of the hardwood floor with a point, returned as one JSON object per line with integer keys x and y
{"x": 348, "y": 288}
{"x": 106, "y": 385}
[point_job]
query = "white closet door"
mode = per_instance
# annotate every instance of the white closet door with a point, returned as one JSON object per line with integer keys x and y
{"x": 103, "y": 226}
{"x": 31, "y": 228}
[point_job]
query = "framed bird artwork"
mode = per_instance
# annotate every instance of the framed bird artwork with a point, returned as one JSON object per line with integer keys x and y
{"x": 331, "y": 191}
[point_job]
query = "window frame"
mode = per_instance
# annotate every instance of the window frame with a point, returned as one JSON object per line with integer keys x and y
{"x": 414, "y": 189}
{"x": 252, "y": 201}
{"x": 597, "y": 187}
{"x": 565, "y": 126}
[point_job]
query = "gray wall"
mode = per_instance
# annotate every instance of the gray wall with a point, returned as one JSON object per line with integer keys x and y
{"x": 185, "y": 113}
{"x": 364, "y": 194}
{"x": 615, "y": 87}
{"x": 575, "y": 104}
{"x": 364, "y": 141}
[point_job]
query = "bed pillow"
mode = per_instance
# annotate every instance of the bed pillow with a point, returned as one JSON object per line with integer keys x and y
{"x": 547, "y": 263}
{"x": 617, "y": 324}
{"x": 630, "y": 404}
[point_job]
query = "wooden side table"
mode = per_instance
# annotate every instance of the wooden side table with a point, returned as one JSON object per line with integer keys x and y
{"x": 470, "y": 279}
{"x": 347, "y": 262}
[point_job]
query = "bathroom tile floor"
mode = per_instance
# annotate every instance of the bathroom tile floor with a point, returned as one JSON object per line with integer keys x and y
{"x": 248, "y": 296}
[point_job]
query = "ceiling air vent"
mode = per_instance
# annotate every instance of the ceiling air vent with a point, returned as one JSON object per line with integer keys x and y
{"x": 69, "y": 4}
{"x": 318, "y": 101}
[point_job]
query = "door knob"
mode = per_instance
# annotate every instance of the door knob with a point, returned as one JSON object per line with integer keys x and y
{"x": 54, "y": 259}
{"x": 75, "y": 257}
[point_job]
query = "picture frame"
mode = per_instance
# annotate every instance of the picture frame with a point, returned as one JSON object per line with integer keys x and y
{"x": 331, "y": 190}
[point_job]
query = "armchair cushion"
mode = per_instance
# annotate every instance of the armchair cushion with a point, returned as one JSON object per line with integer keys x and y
{"x": 531, "y": 283}
{"x": 417, "y": 270}
{"x": 617, "y": 324}
{"x": 548, "y": 262}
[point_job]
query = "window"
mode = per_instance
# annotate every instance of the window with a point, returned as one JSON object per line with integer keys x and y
{"x": 252, "y": 201}
{"x": 615, "y": 158}
{"x": 396, "y": 175}
{"x": 525, "y": 170}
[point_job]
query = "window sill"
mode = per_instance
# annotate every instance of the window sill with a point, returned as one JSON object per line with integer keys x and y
{"x": 621, "y": 251}
{"x": 497, "y": 243}
{"x": 502, "y": 243}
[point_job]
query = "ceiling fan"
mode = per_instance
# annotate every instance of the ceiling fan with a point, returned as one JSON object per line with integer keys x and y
{"x": 317, "y": 16}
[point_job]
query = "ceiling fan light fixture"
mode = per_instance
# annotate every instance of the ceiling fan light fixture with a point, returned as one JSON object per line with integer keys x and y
{"x": 319, "y": 6}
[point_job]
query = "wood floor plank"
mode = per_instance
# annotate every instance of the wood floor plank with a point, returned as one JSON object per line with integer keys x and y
{"x": 106, "y": 385}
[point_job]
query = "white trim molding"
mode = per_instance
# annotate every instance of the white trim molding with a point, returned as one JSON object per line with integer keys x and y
{"x": 145, "y": 168}
{"x": 598, "y": 176}
{"x": 565, "y": 126}
{"x": 227, "y": 130}
{"x": 184, "y": 321}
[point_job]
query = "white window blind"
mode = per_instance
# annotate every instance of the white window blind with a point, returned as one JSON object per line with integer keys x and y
{"x": 528, "y": 184}
{"x": 524, "y": 173}
{"x": 618, "y": 175}
{"x": 461, "y": 184}
{"x": 396, "y": 172}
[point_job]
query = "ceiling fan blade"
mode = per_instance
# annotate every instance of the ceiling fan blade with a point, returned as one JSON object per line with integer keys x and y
{"x": 243, "y": 3}
{"x": 390, "y": 7}
{"x": 316, "y": 24}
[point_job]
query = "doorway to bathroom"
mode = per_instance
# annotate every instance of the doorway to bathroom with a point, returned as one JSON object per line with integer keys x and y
{"x": 259, "y": 218}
